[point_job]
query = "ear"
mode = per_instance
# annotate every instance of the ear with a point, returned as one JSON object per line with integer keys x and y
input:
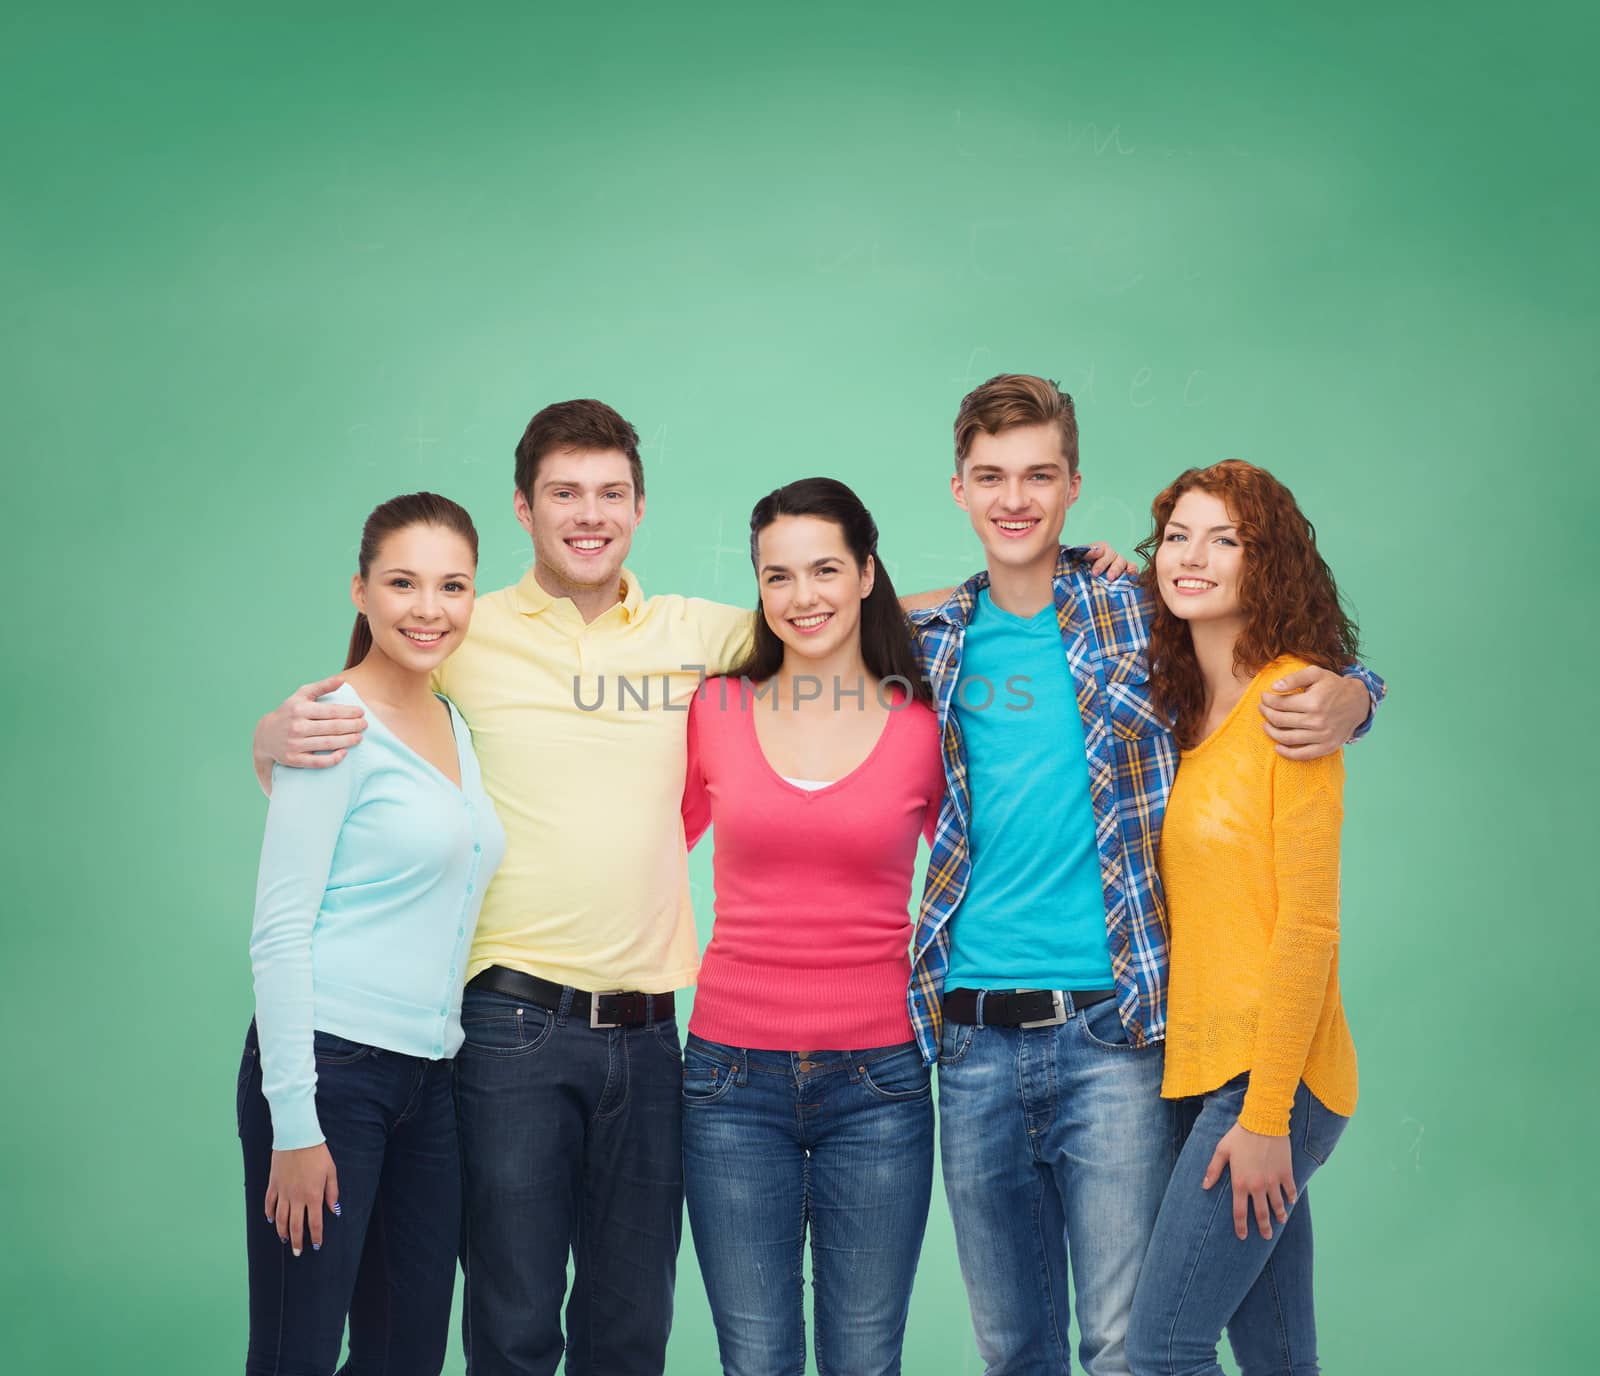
{"x": 1074, "y": 488}
{"x": 358, "y": 593}
{"x": 958, "y": 490}
{"x": 524, "y": 512}
{"x": 638, "y": 511}
{"x": 869, "y": 574}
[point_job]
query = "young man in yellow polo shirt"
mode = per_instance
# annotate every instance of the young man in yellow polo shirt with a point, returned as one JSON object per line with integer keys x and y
{"x": 576, "y": 687}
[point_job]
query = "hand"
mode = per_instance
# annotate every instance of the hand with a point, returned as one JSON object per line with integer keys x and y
{"x": 1105, "y": 560}
{"x": 1263, "y": 1176}
{"x": 1312, "y": 712}
{"x": 295, "y": 731}
{"x": 300, "y": 1184}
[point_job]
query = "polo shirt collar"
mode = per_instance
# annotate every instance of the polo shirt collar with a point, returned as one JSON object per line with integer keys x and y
{"x": 533, "y": 600}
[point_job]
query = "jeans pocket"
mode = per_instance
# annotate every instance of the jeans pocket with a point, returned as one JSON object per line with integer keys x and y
{"x": 1323, "y": 1128}
{"x": 897, "y": 1078}
{"x": 1101, "y": 1025}
{"x": 495, "y": 1028}
{"x": 334, "y": 1050}
{"x": 955, "y": 1040}
{"x": 664, "y": 1036}
{"x": 706, "y": 1079}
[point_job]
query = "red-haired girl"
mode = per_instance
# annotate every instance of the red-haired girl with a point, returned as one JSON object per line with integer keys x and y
{"x": 1257, "y": 1049}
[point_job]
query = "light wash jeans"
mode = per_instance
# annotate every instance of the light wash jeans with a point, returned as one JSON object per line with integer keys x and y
{"x": 1057, "y": 1147}
{"x": 1200, "y": 1278}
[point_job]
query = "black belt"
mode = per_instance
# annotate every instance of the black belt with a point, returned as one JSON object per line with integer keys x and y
{"x": 1020, "y": 1007}
{"x": 609, "y": 1008}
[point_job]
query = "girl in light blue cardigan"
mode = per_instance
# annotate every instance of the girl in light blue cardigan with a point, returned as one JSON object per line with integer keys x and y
{"x": 373, "y": 867}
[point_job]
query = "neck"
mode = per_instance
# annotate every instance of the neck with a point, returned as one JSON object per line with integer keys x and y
{"x": 590, "y": 600}
{"x": 1214, "y": 642}
{"x": 379, "y": 679}
{"x": 844, "y": 670}
{"x": 1026, "y": 590}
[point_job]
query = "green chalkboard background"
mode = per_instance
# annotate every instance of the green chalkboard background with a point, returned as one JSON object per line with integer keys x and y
{"x": 259, "y": 270}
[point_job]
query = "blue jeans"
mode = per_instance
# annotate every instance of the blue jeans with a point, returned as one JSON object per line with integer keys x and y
{"x": 388, "y": 1258}
{"x": 1057, "y": 1146}
{"x": 779, "y": 1142}
{"x": 1200, "y": 1278}
{"x": 571, "y": 1143}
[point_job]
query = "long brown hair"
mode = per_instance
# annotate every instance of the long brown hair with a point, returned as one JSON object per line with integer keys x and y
{"x": 396, "y": 514}
{"x": 1287, "y": 594}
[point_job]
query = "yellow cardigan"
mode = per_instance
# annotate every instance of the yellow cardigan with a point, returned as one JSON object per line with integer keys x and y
{"x": 1250, "y": 863}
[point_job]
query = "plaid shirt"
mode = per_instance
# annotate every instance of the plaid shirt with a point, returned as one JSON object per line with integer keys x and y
{"x": 1132, "y": 757}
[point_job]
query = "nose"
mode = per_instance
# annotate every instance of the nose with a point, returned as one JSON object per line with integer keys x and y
{"x": 1194, "y": 555}
{"x": 1015, "y": 497}
{"x": 805, "y": 592}
{"x": 589, "y": 513}
{"x": 425, "y": 605}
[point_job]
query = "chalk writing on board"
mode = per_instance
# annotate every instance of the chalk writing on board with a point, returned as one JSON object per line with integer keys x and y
{"x": 863, "y": 253}
{"x": 971, "y": 375}
{"x": 1415, "y": 1151}
{"x": 1089, "y": 134}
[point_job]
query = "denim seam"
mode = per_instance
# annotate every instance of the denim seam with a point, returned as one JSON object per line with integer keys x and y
{"x": 1277, "y": 1309}
{"x": 800, "y": 1261}
{"x": 616, "y": 1042}
{"x": 1193, "y": 1263}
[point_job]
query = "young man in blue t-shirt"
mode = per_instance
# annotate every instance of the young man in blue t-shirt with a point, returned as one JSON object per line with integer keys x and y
{"x": 1040, "y": 954}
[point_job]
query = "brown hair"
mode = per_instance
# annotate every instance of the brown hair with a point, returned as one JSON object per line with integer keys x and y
{"x": 585, "y": 424}
{"x": 397, "y": 514}
{"x": 1009, "y": 400}
{"x": 1287, "y": 594}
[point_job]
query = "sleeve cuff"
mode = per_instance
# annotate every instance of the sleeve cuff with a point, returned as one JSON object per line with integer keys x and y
{"x": 1263, "y": 1120}
{"x": 294, "y": 1123}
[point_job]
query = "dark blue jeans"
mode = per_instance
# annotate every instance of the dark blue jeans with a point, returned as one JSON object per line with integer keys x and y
{"x": 1199, "y": 1278}
{"x": 776, "y": 1143}
{"x": 388, "y": 1259}
{"x": 571, "y": 1143}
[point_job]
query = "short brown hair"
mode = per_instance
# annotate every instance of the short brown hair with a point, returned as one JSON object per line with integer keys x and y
{"x": 585, "y": 424}
{"x": 1009, "y": 400}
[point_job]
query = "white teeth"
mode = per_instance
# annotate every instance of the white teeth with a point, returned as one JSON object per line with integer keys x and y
{"x": 807, "y": 622}
{"x": 1014, "y": 525}
{"x": 587, "y": 544}
{"x": 423, "y": 637}
{"x": 1196, "y": 583}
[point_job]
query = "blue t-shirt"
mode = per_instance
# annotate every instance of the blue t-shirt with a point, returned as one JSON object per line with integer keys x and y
{"x": 1034, "y": 914}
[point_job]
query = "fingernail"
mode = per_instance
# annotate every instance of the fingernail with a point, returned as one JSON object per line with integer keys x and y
{"x": 297, "y": 1251}
{"x": 316, "y": 1246}
{"x": 283, "y": 1239}
{"x": 336, "y": 1208}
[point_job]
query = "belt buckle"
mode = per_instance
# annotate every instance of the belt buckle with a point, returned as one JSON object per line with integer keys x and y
{"x": 1058, "y": 1005}
{"x": 594, "y": 1008}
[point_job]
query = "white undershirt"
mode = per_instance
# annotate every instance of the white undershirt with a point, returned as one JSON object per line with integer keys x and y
{"x": 810, "y": 785}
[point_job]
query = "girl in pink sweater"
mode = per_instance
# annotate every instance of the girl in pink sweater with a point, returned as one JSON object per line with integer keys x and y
{"x": 806, "y": 1103}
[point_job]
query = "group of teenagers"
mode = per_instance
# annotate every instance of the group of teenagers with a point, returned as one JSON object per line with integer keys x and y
{"x": 473, "y": 917}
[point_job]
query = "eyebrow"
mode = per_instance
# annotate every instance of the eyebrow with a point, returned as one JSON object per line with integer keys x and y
{"x": 409, "y": 573}
{"x": 1210, "y": 530}
{"x": 814, "y": 564}
{"x": 618, "y": 484}
{"x": 1052, "y": 467}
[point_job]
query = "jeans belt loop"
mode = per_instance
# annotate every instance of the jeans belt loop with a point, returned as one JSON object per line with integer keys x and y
{"x": 1059, "y": 1011}
{"x": 978, "y": 1010}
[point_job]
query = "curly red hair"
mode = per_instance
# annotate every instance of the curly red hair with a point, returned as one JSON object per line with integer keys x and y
{"x": 1287, "y": 593}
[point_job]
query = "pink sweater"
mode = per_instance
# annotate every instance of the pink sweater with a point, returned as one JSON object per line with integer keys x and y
{"x": 810, "y": 949}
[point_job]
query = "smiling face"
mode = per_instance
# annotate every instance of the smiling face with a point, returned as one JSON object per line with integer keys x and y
{"x": 582, "y": 514}
{"x": 417, "y": 595}
{"x": 1015, "y": 487}
{"x": 811, "y": 586}
{"x": 1200, "y": 561}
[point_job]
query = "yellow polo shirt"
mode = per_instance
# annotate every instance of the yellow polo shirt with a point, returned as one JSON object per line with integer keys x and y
{"x": 579, "y": 731}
